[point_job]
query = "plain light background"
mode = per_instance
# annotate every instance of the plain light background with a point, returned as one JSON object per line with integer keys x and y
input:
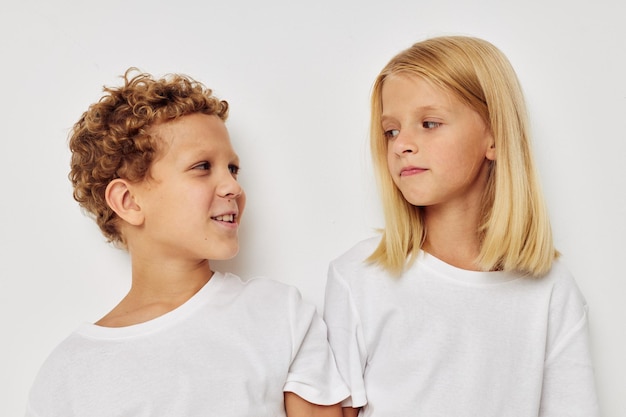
{"x": 298, "y": 78}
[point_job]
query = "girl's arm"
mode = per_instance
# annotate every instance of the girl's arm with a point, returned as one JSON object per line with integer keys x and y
{"x": 568, "y": 379}
{"x": 296, "y": 406}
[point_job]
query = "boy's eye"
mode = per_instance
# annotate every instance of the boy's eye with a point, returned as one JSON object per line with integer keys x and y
{"x": 234, "y": 169}
{"x": 390, "y": 134}
{"x": 203, "y": 166}
{"x": 430, "y": 125}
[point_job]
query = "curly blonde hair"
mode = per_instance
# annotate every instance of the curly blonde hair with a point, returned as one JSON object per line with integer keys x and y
{"x": 112, "y": 140}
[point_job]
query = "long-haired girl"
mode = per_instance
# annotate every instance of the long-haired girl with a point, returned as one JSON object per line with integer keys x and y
{"x": 461, "y": 307}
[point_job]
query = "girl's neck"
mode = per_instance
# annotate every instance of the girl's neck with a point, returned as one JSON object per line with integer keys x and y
{"x": 452, "y": 236}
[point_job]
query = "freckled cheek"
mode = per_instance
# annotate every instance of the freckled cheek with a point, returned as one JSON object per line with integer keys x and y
{"x": 199, "y": 194}
{"x": 394, "y": 174}
{"x": 397, "y": 181}
{"x": 391, "y": 164}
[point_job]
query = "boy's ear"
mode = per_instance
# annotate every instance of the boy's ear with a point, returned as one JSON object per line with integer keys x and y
{"x": 120, "y": 198}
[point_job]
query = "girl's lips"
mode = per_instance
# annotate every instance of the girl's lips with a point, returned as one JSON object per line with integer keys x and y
{"x": 405, "y": 172}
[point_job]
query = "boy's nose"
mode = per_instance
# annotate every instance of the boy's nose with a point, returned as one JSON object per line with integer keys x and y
{"x": 230, "y": 188}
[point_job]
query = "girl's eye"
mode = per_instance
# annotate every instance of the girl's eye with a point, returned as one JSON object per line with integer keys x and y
{"x": 204, "y": 166}
{"x": 391, "y": 134}
{"x": 234, "y": 169}
{"x": 430, "y": 125}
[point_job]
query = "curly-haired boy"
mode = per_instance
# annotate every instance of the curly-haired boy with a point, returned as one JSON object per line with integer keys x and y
{"x": 153, "y": 164}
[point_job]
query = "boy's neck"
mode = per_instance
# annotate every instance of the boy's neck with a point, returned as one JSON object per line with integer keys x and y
{"x": 168, "y": 279}
{"x": 157, "y": 289}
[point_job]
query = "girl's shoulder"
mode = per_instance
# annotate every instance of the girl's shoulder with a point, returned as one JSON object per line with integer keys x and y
{"x": 564, "y": 289}
{"x": 358, "y": 253}
{"x": 354, "y": 264}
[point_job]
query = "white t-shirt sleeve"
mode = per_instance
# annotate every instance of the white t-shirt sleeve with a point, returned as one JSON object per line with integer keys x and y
{"x": 345, "y": 335}
{"x": 313, "y": 373}
{"x": 568, "y": 380}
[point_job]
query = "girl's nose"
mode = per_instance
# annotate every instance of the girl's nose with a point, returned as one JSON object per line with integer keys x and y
{"x": 404, "y": 143}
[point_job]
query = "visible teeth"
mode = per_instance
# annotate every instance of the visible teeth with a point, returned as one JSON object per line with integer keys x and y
{"x": 226, "y": 218}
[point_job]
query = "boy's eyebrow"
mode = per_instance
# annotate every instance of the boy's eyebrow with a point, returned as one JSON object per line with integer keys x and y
{"x": 192, "y": 155}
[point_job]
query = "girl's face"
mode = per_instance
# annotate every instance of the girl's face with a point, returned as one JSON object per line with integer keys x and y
{"x": 438, "y": 148}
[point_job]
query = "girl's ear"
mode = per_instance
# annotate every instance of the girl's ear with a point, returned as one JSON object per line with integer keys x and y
{"x": 491, "y": 151}
{"x": 120, "y": 198}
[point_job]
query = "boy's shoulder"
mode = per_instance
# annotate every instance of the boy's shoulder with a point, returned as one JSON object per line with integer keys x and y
{"x": 258, "y": 284}
{"x": 259, "y": 291}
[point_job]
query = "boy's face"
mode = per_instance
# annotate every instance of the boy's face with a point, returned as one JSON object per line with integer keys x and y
{"x": 192, "y": 201}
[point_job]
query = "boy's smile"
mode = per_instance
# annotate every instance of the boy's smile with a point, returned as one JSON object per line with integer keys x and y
{"x": 191, "y": 200}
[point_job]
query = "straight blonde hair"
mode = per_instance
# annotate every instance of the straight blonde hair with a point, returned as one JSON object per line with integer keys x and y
{"x": 515, "y": 230}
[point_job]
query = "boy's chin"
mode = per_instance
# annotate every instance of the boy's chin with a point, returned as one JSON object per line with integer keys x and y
{"x": 226, "y": 255}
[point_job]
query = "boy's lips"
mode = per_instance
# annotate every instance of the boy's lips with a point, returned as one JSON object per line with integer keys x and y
{"x": 411, "y": 170}
{"x": 226, "y": 217}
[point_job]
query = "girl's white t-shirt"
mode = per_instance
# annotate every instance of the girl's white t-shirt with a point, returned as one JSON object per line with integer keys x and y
{"x": 442, "y": 341}
{"x": 233, "y": 349}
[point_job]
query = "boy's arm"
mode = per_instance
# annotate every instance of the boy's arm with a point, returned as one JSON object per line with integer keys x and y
{"x": 350, "y": 412}
{"x": 296, "y": 406}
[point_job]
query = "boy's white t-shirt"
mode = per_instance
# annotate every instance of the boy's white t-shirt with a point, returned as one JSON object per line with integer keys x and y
{"x": 440, "y": 341}
{"x": 230, "y": 350}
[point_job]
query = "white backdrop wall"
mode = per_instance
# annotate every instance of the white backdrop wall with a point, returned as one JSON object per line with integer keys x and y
{"x": 298, "y": 77}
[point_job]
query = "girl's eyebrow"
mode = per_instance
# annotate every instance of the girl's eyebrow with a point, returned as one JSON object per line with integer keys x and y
{"x": 421, "y": 109}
